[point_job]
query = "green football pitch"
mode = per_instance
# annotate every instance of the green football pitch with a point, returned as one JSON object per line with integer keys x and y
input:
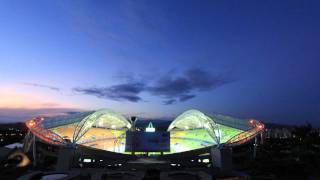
{"x": 199, "y": 138}
{"x": 180, "y": 141}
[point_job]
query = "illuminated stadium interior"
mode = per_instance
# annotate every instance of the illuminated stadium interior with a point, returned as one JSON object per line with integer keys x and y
{"x": 106, "y": 130}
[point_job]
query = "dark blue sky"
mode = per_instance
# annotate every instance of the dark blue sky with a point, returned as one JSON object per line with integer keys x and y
{"x": 251, "y": 59}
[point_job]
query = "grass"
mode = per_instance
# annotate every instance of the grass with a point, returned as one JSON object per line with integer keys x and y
{"x": 179, "y": 140}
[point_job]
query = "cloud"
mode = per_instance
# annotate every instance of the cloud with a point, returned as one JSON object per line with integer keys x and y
{"x": 183, "y": 88}
{"x": 186, "y": 97}
{"x": 171, "y": 88}
{"x": 203, "y": 80}
{"x": 122, "y": 92}
{"x": 43, "y": 86}
{"x": 169, "y": 101}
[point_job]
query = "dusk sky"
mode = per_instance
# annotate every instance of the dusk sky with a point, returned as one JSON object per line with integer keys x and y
{"x": 156, "y": 59}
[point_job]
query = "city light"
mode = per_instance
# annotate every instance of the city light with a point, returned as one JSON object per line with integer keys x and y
{"x": 31, "y": 123}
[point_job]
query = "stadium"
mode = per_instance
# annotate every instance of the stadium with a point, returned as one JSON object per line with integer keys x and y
{"x": 108, "y": 143}
{"x": 107, "y": 131}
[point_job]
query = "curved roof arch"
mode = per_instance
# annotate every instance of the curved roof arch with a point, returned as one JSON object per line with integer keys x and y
{"x": 191, "y": 119}
{"x": 194, "y": 119}
{"x": 105, "y": 118}
{"x": 34, "y": 126}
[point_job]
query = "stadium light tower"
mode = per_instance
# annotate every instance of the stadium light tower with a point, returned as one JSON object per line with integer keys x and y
{"x": 133, "y": 128}
{"x": 133, "y": 122}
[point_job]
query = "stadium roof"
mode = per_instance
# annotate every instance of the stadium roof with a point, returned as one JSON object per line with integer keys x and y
{"x": 194, "y": 119}
{"x": 105, "y": 118}
{"x": 106, "y": 129}
{"x": 191, "y": 119}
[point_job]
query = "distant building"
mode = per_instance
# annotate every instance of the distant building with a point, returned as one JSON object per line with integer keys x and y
{"x": 281, "y": 132}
